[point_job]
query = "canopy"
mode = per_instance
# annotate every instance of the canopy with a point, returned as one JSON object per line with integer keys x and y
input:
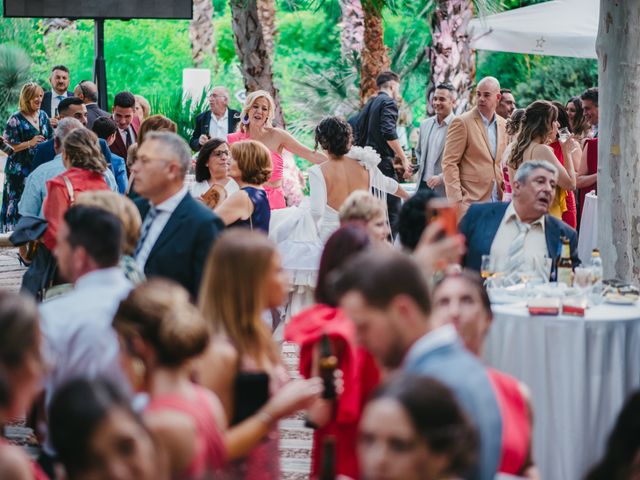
{"x": 564, "y": 28}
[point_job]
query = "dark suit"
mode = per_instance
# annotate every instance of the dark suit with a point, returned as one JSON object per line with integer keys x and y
{"x": 94, "y": 112}
{"x": 481, "y": 223}
{"x": 46, "y": 102}
{"x": 202, "y": 126}
{"x": 375, "y": 126}
{"x": 181, "y": 250}
{"x": 118, "y": 147}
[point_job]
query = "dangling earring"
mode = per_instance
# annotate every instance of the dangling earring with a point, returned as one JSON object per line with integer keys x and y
{"x": 245, "y": 119}
{"x": 139, "y": 372}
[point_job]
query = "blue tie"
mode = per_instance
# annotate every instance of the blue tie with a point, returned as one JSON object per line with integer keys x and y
{"x": 60, "y": 97}
{"x": 146, "y": 227}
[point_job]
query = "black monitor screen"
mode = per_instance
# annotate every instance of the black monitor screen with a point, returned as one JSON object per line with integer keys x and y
{"x": 117, "y": 9}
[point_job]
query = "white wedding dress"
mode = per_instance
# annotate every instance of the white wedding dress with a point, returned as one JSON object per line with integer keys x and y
{"x": 301, "y": 232}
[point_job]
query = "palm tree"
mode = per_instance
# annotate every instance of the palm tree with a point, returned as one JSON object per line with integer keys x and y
{"x": 203, "y": 43}
{"x": 375, "y": 58}
{"x": 253, "y": 53}
{"x": 267, "y": 13}
{"x": 15, "y": 70}
{"x": 351, "y": 28}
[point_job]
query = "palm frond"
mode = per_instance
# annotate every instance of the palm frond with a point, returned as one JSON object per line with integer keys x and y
{"x": 15, "y": 70}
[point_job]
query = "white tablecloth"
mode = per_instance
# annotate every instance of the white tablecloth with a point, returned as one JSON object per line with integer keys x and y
{"x": 579, "y": 371}
{"x": 588, "y": 236}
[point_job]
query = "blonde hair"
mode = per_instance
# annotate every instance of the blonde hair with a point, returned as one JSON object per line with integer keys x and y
{"x": 122, "y": 207}
{"x": 144, "y": 104}
{"x": 361, "y": 205}
{"x": 82, "y": 150}
{"x": 233, "y": 292}
{"x": 155, "y": 123}
{"x": 248, "y": 103}
{"x": 28, "y": 92}
{"x": 161, "y": 313}
{"x": 254, "y": 161}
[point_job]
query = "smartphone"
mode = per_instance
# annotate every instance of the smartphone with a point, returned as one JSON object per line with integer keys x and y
{"x": 446, "y": 213}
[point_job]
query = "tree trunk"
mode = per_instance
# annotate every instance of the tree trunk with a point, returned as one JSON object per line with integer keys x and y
{"x": 375, "y": 58}
{"x": 203, "y": 42}
{"x": 267, "y": 13}
{"x": 351, "y": 28}
{"x": 618, "y": 44}
{"x": 255, "y": 61}
{"x": 451, "y": 58}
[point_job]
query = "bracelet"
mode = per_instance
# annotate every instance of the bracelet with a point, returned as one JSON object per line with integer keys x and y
{"x": 265, "y": 417}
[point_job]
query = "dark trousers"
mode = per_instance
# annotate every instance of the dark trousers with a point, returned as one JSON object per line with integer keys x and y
{"x": 393, "y": 202}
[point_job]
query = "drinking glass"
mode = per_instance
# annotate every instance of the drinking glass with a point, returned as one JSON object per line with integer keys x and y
{"x": 487, "y": 267}
{"x": 564, "y": 134}
{"x": 582, "y": 277}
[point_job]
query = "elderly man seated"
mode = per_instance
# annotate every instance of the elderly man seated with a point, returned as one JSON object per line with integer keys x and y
{"x": 520, "y": 234}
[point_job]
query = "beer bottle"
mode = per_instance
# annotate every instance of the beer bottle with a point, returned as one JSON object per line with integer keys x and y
{"x": 328, "y": 465}
{"x": 327, "y": 365}
{"x": 565, "y": 265}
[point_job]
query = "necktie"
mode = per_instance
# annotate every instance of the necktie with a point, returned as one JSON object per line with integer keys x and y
{"x": 516, "y": 250}
{"x": 127, "y": 134}
{"x": 146, "y": 227}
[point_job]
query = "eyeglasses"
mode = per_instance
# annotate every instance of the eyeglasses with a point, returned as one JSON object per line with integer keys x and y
{"x": 221, "y": 153}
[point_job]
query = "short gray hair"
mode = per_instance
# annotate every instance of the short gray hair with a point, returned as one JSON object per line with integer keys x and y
{"x": 65, "y": 127}
{"x": 176, "y": 147}
{"x": 524, "y": 172}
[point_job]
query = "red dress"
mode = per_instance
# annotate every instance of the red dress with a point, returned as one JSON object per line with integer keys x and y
{"x": 516, "y": 422}
{"x": 360, "y": 374}
{"x": 36, "y": 472}
{"x": 210, "y": 453}
{"x": 570, "y": 216}
{"x": 275, "y": 193}
{"x": 57, "y": 201}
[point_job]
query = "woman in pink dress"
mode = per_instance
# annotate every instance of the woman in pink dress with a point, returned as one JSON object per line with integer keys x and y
{"x": 256, "y": 123}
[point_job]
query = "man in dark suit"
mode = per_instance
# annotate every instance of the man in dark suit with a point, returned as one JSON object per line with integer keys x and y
{"x": 124, "y": 104}
{"x": 217, "y": 122}
{"x": 177, "y": 231}
{"x": 376, "y": 127}
{"x": 59, "y": 81}
{"x": 385, "y": 295}
{"x": 88, "y": 92}
{"x": 518, "y": 235}
{"x": 105, "y": 128}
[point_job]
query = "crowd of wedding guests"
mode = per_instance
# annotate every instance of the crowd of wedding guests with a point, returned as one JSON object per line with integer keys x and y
{"x": 152, "y": 351}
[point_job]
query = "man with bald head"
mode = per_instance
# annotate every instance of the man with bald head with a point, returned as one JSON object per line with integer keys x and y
{"x": 217, "y": 122}
{"x": 88, "y": 92}
{"x": 473, "y": 149}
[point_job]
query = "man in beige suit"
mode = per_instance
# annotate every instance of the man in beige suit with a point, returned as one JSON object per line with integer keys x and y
{"x": 473, "y": 149}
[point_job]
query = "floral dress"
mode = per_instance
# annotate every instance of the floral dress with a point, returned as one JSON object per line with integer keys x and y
{"x": 18, "y": 166}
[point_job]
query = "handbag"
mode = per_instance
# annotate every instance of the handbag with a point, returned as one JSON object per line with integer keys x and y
{"x": 212, "y": 197}
{"x": 26, "y": 235}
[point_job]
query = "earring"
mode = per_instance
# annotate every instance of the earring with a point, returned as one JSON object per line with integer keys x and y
{"x": 245, "y": 119}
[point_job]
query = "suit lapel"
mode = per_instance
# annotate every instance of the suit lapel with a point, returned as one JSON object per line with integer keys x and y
{"x": 483, "y": 130}
{"x": 493, "y": 223}
{"x": 173, "y": 225}
{"x": 552, "y": 235}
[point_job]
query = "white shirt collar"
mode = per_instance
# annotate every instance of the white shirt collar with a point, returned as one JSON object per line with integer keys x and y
{"x": 103, "y": 276}
{"x": 170, "y": 204}
{"x": 446, "y": 121}
{"x": 436, "y": 338}
{"x": 511, "y": 213}
{"x": 486, "y": 121}
{"x": 224, "y": 117}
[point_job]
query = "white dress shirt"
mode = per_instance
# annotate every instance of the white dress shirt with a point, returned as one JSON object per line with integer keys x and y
{"x": 123, "y": 135}
{"x": 55, "y": 102}
{"x": 197, "y": 189}
{"x": 535, "y": 243}
{"x": 435, "y": 142}
{"x": 78, "y": 339}
{"x": 219, "y": 128}
{"x": 165, "y": 210}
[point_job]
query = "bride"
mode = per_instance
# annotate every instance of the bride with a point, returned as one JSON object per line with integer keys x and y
{"x": 300, "y": 232}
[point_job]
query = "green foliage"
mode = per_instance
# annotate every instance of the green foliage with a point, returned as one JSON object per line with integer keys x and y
{"x": 15, "y": 69}
{"x": 182, "y": 110}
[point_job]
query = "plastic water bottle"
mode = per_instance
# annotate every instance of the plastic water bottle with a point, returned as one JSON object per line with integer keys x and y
{"x": 596, "y": 267}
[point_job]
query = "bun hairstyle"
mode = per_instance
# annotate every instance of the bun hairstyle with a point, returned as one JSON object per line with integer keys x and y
{"x": 82, "y": 150}
{"x": 161, "y": 313}
{"x": 254, "y": 161}
{"x": 334, "y": 135}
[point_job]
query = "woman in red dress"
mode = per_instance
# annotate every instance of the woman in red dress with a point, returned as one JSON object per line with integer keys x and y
{"x": 256, "y": 123}
{"x": 338, "y": 418}
{"x": 460, "y": 299}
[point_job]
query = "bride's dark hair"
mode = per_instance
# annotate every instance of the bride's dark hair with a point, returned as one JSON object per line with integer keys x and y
{"x": 334, "y": 135}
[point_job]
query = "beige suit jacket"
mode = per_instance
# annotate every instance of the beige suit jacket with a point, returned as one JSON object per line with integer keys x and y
{"x": 469, "y": 168}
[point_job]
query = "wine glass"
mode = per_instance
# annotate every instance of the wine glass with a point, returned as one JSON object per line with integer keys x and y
{"x": 582, "y": 277}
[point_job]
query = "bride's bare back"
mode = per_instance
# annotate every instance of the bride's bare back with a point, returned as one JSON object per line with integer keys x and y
{"x": 342, "y": 177}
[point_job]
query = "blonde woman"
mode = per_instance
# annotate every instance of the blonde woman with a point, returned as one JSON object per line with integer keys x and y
{"x": 243, "y": 278}
{"x": 25, "y": 129}
{"x": 142, "y": 108}
{"x": 256, "y": 123}
{"x": 362, "y": 207}
{"x": 85, "y": 165}
{"x": 539, "y": 127}
{"x": 123, "y": 208}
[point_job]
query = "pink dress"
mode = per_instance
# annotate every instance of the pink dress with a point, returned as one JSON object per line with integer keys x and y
{"x": 275, "y": 194}
{"x": 210, "y": 454}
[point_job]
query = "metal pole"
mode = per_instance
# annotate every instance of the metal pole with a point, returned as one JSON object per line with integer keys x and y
{"x": 99, "y": 68}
